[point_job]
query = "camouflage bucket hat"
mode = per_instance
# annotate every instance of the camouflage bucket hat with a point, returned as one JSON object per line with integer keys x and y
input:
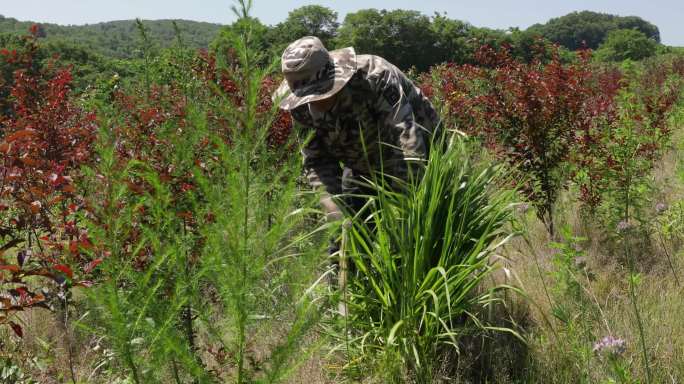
{"x": 312, "y": 73}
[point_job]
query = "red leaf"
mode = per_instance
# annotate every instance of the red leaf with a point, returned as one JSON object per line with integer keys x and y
{"x": 29, "y": 161}
{"x": 35, "y": 206}
{"x": 69, "y": 188}
{"x": 65, "y": 269}
{"x": 16, "y": 328}
{"x": 90, "y": 266}
{"x": 38, "y": 298}
{"x": 40, "y": 272}
{"x": 185, "y": 215}
{"x": 11, "y": 268}
{"x": 73, "y": 247}
{"x": 85, "y": 243}
{"x": 23, "y": 294}
{"x": 85, "y": 283}
{"x": 57, "y": 199}
{"x": 19, "y": 134}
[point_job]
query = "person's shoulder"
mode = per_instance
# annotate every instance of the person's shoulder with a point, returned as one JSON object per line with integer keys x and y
{"x": 376, "y": 72}
{"x": 372, "y": 64}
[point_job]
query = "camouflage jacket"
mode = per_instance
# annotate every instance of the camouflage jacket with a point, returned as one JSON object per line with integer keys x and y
{"x": 380, "y": 120}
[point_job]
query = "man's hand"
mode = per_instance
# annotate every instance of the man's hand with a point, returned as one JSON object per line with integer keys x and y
{"x": 331, "y": 210}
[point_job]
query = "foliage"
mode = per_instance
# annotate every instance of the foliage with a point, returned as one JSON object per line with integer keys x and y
{"x": 556, "y": 121}
{"x": 526, "y": 113}
{"x": 588, "y": 29}
{"x": 458, "y": 42}
{"x": 397, "y": 35}
{"x": 11, "y": 62}
{"x": 309, "y": 20}
{"x": 421, "y": 255}
{"x": 117, "y": 39}
{"x": 87, "y": 67}
{"x": 259, "y": 35}
{"x": 452, "y": 38}
{"x": 614, "y": 156}
{"x": 195, "y": 204}
{"x": 626, "y": 44}
{"x": 631, "y": 144}
{"x": 168, "y": 192}
{"x": 46, "y": 139}
{"x": 402, "y": 37}
{"x": 12, "y": 374}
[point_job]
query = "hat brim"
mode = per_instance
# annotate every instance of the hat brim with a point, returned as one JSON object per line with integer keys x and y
{"x": 345, "y": 66}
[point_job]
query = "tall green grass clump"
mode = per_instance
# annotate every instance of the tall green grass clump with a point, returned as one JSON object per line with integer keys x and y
{"x": 208, "y": 251}
{"x": 421, "y": 256}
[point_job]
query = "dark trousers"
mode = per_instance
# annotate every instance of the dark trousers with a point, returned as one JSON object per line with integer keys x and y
{"x": 352, "y": 200}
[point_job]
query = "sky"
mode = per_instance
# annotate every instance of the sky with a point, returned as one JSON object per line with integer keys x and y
{"x": 668, "y": 15}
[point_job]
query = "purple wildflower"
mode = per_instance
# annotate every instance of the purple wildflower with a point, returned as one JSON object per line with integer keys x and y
{"x": 624, "y": 226}
{"x": 523, "y": 208}
{"x": 22, "y": 256}
{"x": 660, "y": 208}
{"x": 610, "y": 346}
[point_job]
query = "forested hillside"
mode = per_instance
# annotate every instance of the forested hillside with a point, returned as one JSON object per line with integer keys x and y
{"x": 118, "y": 39}
{"x": 579, "y": 29}
{"x": 405, "y": 37}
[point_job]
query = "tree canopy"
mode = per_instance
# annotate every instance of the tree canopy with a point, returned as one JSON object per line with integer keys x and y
{"x": 118, "y": 39}
{"x": 405, "y": 38}
{"x": 623, "y": 44}
{"x": 579, "y": 29}
{"x": 260, "y": 34}
{"x": 309, "y": 20}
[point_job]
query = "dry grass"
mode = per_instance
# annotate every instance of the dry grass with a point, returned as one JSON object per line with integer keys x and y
{"x": 661, "y": 305}
{"x": 42, "y": 353}
{"x": 556, "y": 360}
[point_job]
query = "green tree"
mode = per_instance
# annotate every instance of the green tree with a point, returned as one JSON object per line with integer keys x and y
{"x": 452, "y": 38}
{"x": 118, "y": 39}
{"x": 87, "y": 66}
{"x": 9, "y": 44}
{"x": 522, "y": 44}
{"x": 405, "y": 38}
{"x": 259, "y": 35}
{"x": 577, "y": 29}
{"x": 635, "y": 22}
{"x": 309, "y": 20}
{"x": 623, "y": 44}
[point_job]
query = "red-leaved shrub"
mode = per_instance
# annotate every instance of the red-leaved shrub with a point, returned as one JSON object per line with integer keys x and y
{"x": 46, "y": 138}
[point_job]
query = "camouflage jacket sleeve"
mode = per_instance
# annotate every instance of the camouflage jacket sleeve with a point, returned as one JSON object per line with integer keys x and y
{"x": 401, "y": 103}
{"x": 320, "y": 167}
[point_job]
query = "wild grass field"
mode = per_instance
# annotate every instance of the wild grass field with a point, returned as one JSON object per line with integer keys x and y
{"x": 157, "y": 229}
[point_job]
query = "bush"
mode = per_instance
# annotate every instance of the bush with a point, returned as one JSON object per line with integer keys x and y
{"x": 46, "y": 138}
{"x": 526, "y": 114}
{"x": 613, "y": 158}
{"x": 421, "y": 256}
{"x": 626, "y": 44}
